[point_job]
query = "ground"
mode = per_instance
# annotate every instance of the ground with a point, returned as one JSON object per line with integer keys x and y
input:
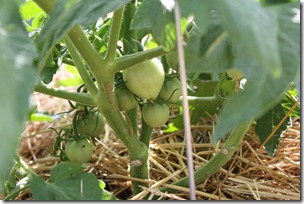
{"x": 250, "y": 175}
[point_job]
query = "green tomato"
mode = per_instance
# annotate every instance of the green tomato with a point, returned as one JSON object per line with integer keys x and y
{"x": 155, "y": 115}
{"x": 172, "y": 60}
{"x": 235, "y": 74}
{"x": 171, "y": 90}
{"x": 145, "y": 79}
{"x": 125, "y": 99}
{"x": 79, "y": 151}
{"x": 91, "y": 124}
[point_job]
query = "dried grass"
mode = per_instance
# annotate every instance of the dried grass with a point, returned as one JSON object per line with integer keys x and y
{"x": 250, "y": 175}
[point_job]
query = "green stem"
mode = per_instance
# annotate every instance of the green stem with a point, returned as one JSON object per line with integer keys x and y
{"x": 81, "y": 68}
{"x": 114, "y": 34}
{"x": 222, "y": 157}
{"x": 87, "y": 51}
{"x": 104, "y": 74}
{"x": 72, "y": 96}
{"x": 146, "y": 132}
{"x": 202, "y": 101}
{"x": 132, "y": 117}
{"x": 132, "y": 59}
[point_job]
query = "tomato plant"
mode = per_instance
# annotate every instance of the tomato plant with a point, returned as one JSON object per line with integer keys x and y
{"x": 79, "y": 151}
{"x": 101, "y": 39}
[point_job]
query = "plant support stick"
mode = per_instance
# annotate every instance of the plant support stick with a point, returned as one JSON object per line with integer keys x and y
{"x": 185, "y": 104}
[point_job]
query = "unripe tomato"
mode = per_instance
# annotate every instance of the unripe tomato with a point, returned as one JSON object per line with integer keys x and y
{"x": 172, "y": 60}
{"x": 91, "y": 124}
{"x": 235, "y": 74}
{"x": 125, "y": 99}
{"x": 79, "y": 151}
{"x": 145, "y": 79}
{"x": 155, "y": 115}
{"x": 171, "y": 90}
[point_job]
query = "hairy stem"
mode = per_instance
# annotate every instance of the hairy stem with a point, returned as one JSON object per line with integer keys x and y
{"x": 132, "y": 59}
{"x": 81, "y": 68}
{"x": 114, "y": 34}
{"x": 222, "y": 157}
{"x": 82, "y": 98}
{"x": 132, "y": 118}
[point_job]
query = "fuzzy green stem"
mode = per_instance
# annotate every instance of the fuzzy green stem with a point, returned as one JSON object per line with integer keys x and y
{"x": 202, "y": 101}
{"x": 72, "y": 96}
{"x": 132, "y": 117}
{"x": 114, "y": 34}
{"x": 89, "y": 54}
{"x": 222, "y": 157}
{"x": 132, "y": 59}
{"x": 146, "y": 132}
{"x": 81, "y": 68}
{"x": 127, "y": 19}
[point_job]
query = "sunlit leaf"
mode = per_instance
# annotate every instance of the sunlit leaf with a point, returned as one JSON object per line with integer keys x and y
{"x": 263, "y": 91}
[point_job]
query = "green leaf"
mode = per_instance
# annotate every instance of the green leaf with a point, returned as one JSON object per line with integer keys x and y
{"x": 30, "y": 10}
{"x": 41, "y": 189}
{"x": 163, "y": 23}
{"x": 200, "y": 10}
{"x": 263, "y": 90}
{"x": 159, "y": 17}
{"x": 69, "y": 182}
{"x": 210, "y": 52}
{"x": 267, "y": 123}
{"x": 141, "y": 17}
{"x": 65, "y": 170}
{"x": 290, "y": 98}
{"x": 16, "y": 79}
{"x": 254, "y": 29}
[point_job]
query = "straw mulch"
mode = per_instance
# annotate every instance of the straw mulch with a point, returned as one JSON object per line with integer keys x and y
{"x": 250, "y": 175}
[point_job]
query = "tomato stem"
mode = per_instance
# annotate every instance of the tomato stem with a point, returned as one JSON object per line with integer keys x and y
{"x": 114, "y": 34}
{"x": 81, "y": 68}
{"x": 82, "y": 98}
{"x": 221, "y": 157}
{"x": 127, "y": 61}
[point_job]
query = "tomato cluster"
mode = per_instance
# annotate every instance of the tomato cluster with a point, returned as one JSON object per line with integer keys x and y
{"x": 87, "y": 124}
{"x": 146, "y": 83}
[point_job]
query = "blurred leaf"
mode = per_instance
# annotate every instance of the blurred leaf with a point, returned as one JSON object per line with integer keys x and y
{"x": 49, "y": 71}
{"x": 69, "y": 182}
{"x": 16, "y": 79}
{"x": 254, "y": 29}
{"x": 267, "y": 123}
{"x": 30, "y": 10}
{"x": 210, "y": 52}
{"x": 171, "y": 128}
{"x": 158, "y": 16}
{"x": 201, "y": 11}
{"x": 73, "y": 78}
{"x": 141, "y": 17}
{"x": 262, "y": 91}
